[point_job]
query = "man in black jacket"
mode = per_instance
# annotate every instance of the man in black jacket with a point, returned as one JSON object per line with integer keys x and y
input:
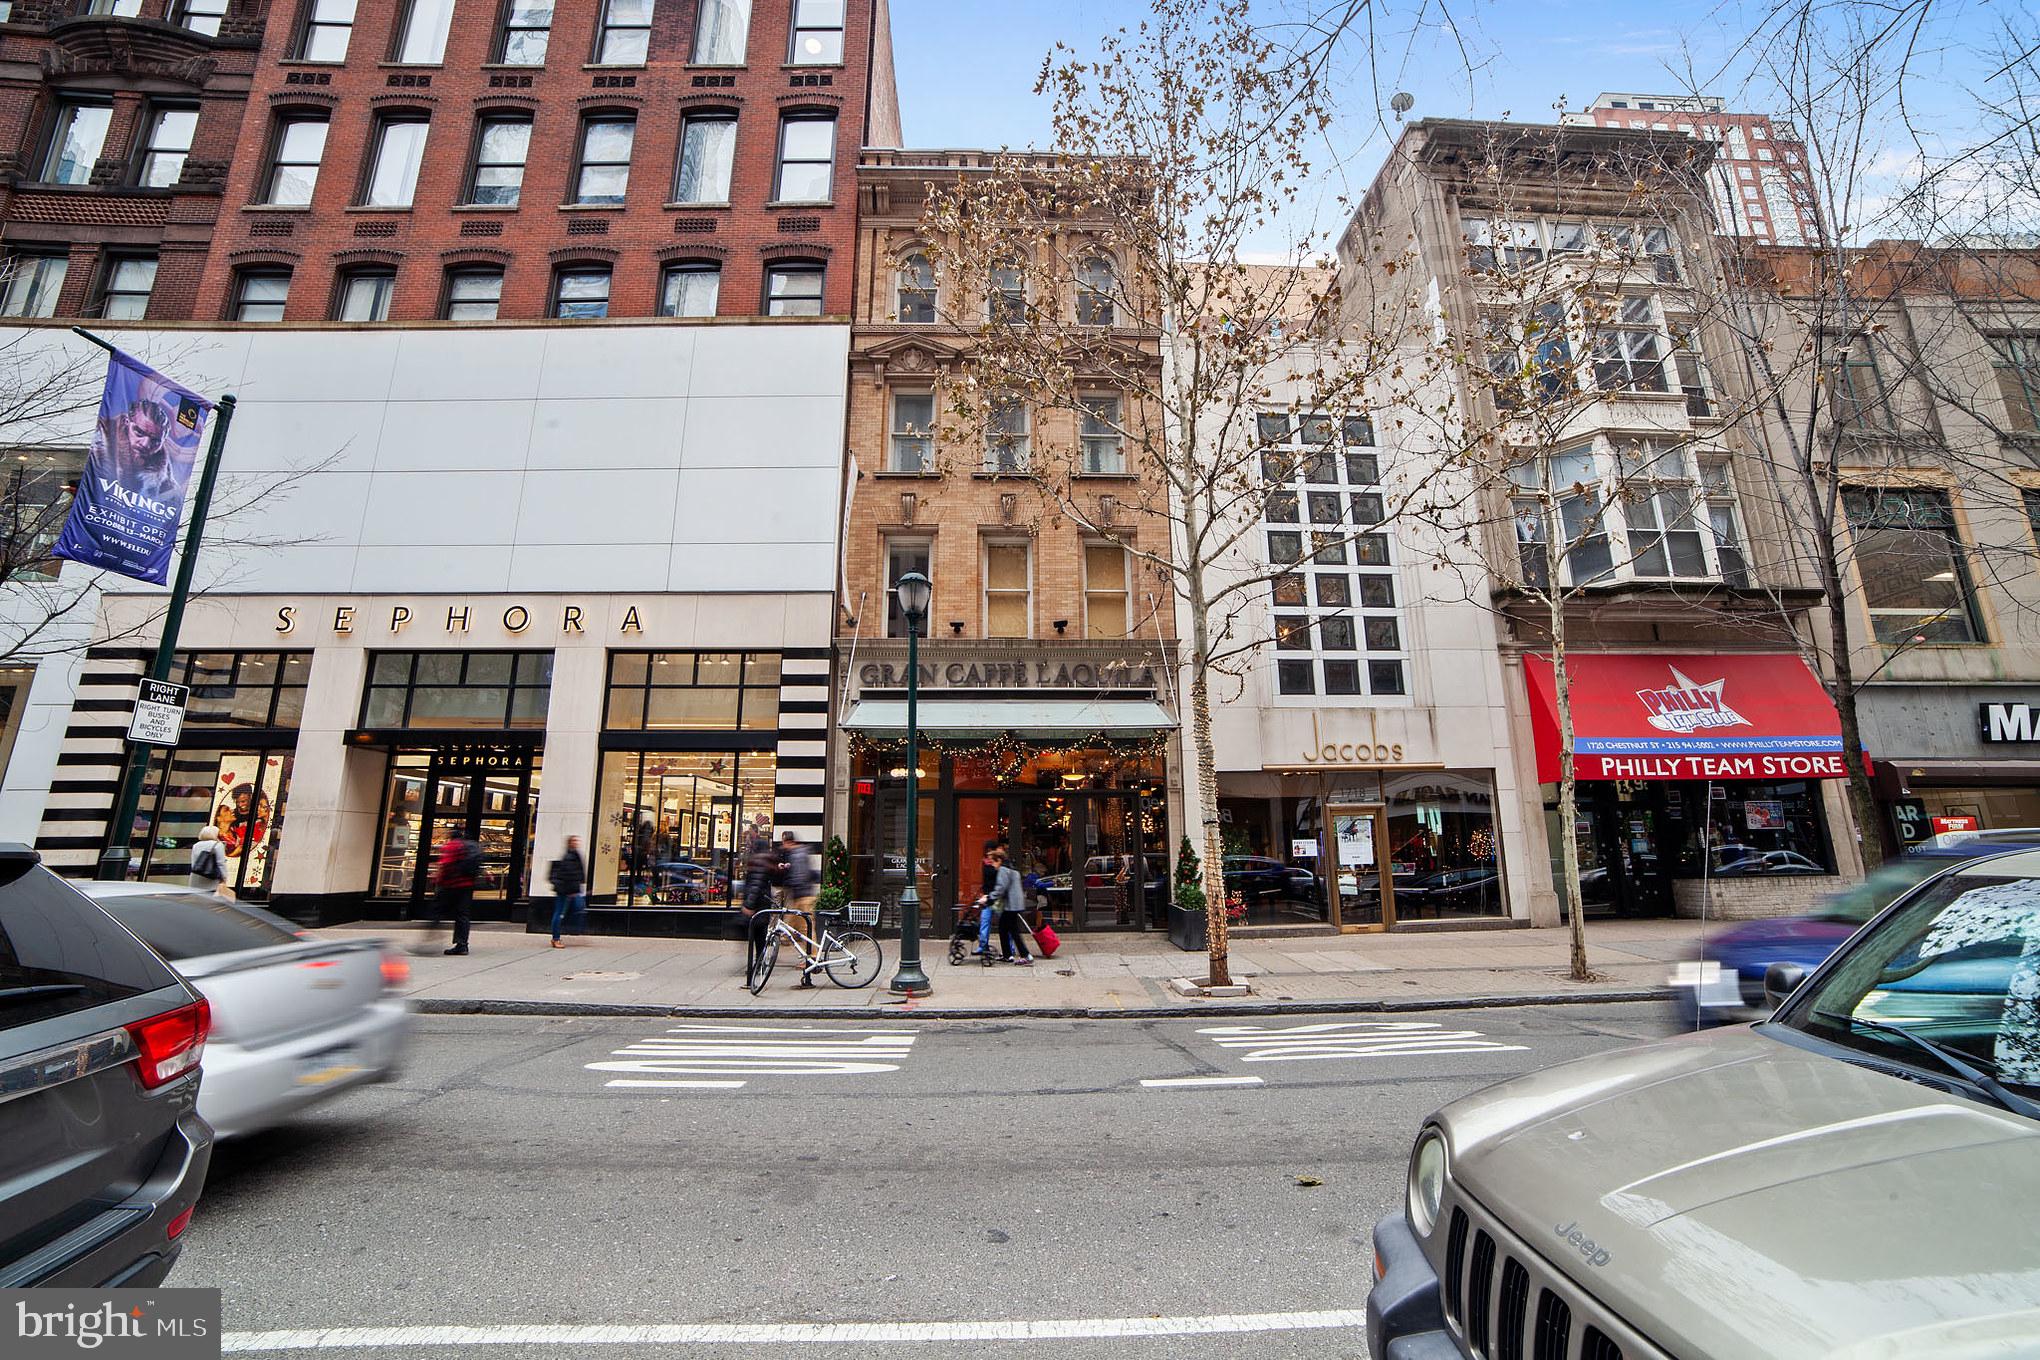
{"x": 569, "y": 875}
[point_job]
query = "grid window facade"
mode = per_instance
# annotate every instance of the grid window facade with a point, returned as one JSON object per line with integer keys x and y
{"x": 456, "y": 690}
{"x": 692, "y": 692}
{"x": 1338, "y": 625}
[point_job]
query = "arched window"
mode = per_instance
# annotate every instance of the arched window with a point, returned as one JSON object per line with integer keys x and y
{"x": 1096, "y": 285}
{"x": 917, "y": 289}
{"x": 1006, "y": 300}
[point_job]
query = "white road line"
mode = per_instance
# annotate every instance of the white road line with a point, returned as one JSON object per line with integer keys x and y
{"x": 678, "y": 1085}
{"x": 1201, "y": 1081}
{"x": 785, "y": 1333}
{"x": 753, "y": 1050}
{"x": 1350, "y": 1039}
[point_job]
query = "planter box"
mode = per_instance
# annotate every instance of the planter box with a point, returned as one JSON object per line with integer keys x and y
{"x": 1187, "y": 929}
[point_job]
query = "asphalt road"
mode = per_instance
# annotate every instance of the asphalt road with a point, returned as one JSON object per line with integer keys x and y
{"x": 981, "y": 1175}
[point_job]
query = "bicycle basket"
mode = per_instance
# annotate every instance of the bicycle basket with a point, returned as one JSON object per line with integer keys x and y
{"x": 861, "y": 913}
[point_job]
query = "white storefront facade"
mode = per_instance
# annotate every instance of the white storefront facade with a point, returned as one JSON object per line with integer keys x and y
{"x": 520, "y": 582}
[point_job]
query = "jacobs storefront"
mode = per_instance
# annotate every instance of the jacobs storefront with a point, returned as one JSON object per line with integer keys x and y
{"x": 1706, "y": 783}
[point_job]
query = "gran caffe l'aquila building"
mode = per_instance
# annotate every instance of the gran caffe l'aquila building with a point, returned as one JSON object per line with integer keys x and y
{"x": 516, "y": 584}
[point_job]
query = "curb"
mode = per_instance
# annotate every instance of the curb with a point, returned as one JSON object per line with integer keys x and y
{"x": 900, "y": 1011}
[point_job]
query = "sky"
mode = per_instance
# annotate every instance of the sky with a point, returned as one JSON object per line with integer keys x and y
{"x": 967, "y": 67}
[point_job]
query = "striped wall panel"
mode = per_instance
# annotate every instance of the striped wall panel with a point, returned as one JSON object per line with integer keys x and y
{"x": 799, "y": 799}
{"x": 89, "y": 763}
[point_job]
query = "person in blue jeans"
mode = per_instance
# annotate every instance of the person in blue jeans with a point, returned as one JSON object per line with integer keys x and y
{"x": 569, "y": 875}
{"x": 988, "y": 912}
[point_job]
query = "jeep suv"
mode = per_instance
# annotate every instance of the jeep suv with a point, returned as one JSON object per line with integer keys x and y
{"x": 1857, "y": 1176}
{"x": 102, "y": 1151}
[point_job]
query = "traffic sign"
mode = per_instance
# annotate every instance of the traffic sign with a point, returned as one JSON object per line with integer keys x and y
{"x": 159, "y": 714}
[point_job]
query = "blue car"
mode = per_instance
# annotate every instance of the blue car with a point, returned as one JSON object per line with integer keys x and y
{"x": 1725, "y": 986}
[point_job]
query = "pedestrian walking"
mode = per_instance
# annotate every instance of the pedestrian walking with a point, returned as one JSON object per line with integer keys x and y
{"x": 569, "y": 876}
{"x": 987, "y": 908}
{"x": 453, "y": 884}
{"x": 209, "y": 863}
{"x": 798, "y": 880}
{"x": 756, "y": 901}
{"x": 1009, "y": 894}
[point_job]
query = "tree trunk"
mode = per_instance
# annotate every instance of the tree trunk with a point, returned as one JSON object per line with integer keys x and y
{"x": 1569, "y": 895}
{"x": 1874, "y": 839}
{"x": 1215, "y": 921}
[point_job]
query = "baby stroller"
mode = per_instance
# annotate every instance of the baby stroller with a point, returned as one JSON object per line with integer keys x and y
{"x": 963, "y": 939}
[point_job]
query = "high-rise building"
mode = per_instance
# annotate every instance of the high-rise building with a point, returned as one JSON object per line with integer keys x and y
{"x": 1760, "y": 179}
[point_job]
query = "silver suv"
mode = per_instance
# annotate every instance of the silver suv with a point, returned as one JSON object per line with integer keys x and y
{"x": 1858, "y": 1176}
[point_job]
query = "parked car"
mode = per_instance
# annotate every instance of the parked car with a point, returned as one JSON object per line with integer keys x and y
{"x": 685, "y": 883}
{"x": 1733, "y": 1193}
{"x": 1257, "y": 876}
{"x": 1726, "y": 984}
{"x": 1755, "y": 863}
{"x": 295, "y": 1020}
{"x": 1452, "y": 891}
{"x": 102, "y": 1148}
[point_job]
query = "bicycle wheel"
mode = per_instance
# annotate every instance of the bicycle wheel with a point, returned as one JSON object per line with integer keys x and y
{"x": 853, "y": 959}
{"x": 767, "y": 956}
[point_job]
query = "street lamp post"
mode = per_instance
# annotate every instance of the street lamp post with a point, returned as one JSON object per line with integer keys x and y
{"x": 915, "y": 590}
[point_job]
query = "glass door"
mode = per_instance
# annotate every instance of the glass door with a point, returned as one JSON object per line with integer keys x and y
{"x": 497, "y": 804}
{"x": 1359, "y": 856}
{"x": 1112, "y": 874}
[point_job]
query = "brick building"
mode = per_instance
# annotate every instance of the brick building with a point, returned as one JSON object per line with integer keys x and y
{"x": 1760, "y": 179}
{"x": 618, "y": 158}
{"x": 117, "y": 121}
{"x": 1046, "y": 672}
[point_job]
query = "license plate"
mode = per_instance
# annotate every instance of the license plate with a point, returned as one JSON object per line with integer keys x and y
{"x": 322, "y": 1069}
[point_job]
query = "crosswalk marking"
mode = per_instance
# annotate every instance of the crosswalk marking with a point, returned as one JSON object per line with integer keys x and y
{"x": 685, "y": 1053}
{"x": 1350, "y": 1039}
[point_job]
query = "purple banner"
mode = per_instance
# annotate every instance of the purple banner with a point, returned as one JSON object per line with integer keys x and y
{"x": 124, "y": 516}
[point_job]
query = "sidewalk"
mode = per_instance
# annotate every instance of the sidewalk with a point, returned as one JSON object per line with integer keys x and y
{"x": 510, "y": 971}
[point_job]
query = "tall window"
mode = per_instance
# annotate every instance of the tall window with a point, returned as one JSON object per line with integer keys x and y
{"x": 294, "y": 166}
{"x": 1911, "y": 563}
{"x": 793, "y": 289}
{"x": 1574, "y": 501}
{"x": 1006, "y": 299}
{"x": 75, "y": 142}
{"x": 259, "y": 294}
{"x": 393, "y": 172}
{"x": 2016, "y": 362}
{"x": 327, "y": 28}
{"x": 200, "y": 16}
{"x": 527, "y": 31}
{"x": 422, "y": 41}
{"x": 721, "y": 31}
{"x": 581, "y": 293}
{"x": 31, "y": 284}
{"x": 166, "y": 141}
{"x": 916, "y": 290}
{"x": 473, "y": 294}
{"x": 129, "y": 281}
{"x": 1100, "y": 429}
{"x": 1006, "y": 437}
{"x": 365, "y": 295}
{"x": 708, "y": 152}
{"x": 913, "y": 432}
{"x": 691, "y": 289}
{"x": 1691, "y": 370}
{"x": 38, "y": 485}
{"x": 501, "y": 145}
{"x": 604, "y": 171}
{"x": 1106, "y": 591}
{"x": 807, "y": 160}
{"x": 1717, "y": 485}
{"x": 1860, "y": 396}
{"x": 817, "y": 33}
{"x": 1626, "y": 355}
{"x": 1096, "y": 283}
{"x": 624, "y": 37}
{"x": 903, "y": 555}
{"x": 1009, "y": 580}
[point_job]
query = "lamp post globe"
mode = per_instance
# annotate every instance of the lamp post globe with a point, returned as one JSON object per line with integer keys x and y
{"x": 915, "y": 591}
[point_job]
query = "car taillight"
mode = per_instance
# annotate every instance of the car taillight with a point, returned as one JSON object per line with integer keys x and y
{"x": 169, "y": 1045}
{"x": 178, "y": 1225}
{"x": 396, "y": 974}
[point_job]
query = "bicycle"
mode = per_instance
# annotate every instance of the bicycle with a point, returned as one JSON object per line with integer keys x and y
{"x": 851, "y": 958}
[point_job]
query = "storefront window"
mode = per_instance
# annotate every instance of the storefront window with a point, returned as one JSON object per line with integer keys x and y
{"x": 244, "y": 689}
{"x": 238, "y": 793}
{"x": 1272, "y": 828}
{"x": 486, "y": 792}
{"x": 672, "y": 826}
{"x": 1444, "y": 852}
{"x": 426, "y": 690}
{"x": 693, "y": 691}
{"x": 1749, "y": 830}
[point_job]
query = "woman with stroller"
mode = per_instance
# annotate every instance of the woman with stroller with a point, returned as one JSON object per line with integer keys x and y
{"x": 1009, "y": 897}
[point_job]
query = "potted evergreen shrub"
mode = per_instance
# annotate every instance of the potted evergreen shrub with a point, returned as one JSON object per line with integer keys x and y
{"x": 1186, "y": 908}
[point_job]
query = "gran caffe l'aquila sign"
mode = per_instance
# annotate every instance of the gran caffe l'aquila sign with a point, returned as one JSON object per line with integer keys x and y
{"x": 1015, "y": 672}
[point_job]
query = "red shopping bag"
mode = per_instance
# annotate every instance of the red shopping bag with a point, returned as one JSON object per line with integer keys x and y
{"x": 1047, "y": 940}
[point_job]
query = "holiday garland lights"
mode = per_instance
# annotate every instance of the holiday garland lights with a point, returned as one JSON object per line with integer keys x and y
{"x": 1007, "y": 753}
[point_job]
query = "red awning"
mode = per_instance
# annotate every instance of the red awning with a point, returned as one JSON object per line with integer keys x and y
{"x": 1738, "y": 715}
